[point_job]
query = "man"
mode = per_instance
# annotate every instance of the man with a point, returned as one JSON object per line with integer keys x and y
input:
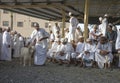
{"x": 80, "y": 49}
{"x": 117, "y": 46}
{"x": 95, "y": 34}
{"x": 65, "y": 52}
{"x": 103, "y": 25}
{"x": 73, "y": 25}
{"x": 6, "y": 45}
{"x": 89, "y": 53}
{"x": 39, "y": 37}
{"x": 78, "y": 33}
{"x": 111, "y": 36}
{"x": 103, "y": 55}
{"x": 56, "y": 28}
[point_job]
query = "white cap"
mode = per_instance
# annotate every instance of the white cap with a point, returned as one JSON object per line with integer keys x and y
{"x": 35, "y": 24}
{"x": 70, "y": 13}
{"x": 81, "y": 37}
{"x": 100, "y": 18}
{"x": 106, "y": 15}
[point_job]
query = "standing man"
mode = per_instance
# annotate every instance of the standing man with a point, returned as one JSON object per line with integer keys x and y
{"x": 73, "y": 25}
{"x": 111, "y": 36}
{"x": 56, "y": 28}
{"x": 39, "y": 36}
{"x": 6, "y": 45}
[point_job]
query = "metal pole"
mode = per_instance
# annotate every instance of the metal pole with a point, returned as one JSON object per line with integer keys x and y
{"x": 63, "y": 22}
{"x": 86, "y": 19}
{"x": 11, "y": 20}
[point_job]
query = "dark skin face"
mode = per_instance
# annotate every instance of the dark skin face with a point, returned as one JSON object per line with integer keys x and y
{"x": 103, "y": 41}
{"x": 37, "y": 28}
{"x": 81, "y": 39}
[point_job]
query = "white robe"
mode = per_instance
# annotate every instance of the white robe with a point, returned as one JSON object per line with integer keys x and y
{"x": 103, "y": 26}
{"x": 90, "y": 48}
{"x": 118, "y": 45}
{"x": 40, "y": 47}
{"x": 55, "y": 29}
{"x": 16, "y": 46}
{"x": 101, "y": 59}
{"x": 118, "y": 40}
{"x": 67, "y": 50}
{"x": 80, "y": 49}
{"x": 52, "y": 50}
{"x": 20, "y": 44}
{"x": 6, "y": 51}
{"x": 73, "y": 25}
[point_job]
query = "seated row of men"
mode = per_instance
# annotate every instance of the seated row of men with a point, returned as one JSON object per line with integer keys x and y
{"x": 85, "y": 53}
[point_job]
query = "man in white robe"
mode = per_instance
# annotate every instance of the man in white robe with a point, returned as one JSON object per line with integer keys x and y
{"x": 103, "y": 53}
{"x": 72, "y": 27}
{"x": 66, "y": 51}
{"x": 95, "y": 34}
{"x": 39, "y": 35}
{"x": 78, "y": 33}
{"x": 117, "y": 46}
{"x": 56, "y": 28}
{"x": 6, "y": 45}
{"x": 103, "y": 25}
{"x": 80, "y": 50}
{"x": 53, "y": 50}
{"x": 16, "y": 46}
{"x": 89, "y": 53}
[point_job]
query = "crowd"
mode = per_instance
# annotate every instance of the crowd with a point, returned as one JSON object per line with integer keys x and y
{"x": 97, "y": 51}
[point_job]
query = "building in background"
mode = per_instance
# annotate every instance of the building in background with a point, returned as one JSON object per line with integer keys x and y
{"x": 24, "y": 24}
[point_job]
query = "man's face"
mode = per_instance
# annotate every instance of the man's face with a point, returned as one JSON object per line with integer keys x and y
{"x": 102, "y": 41}
{"x": 37, "y": 28}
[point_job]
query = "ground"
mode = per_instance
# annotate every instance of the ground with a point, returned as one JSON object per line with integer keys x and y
{"x": 13, "y": 72}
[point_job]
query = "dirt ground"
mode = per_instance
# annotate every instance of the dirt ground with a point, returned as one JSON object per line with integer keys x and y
{"x": 13, "y": 72}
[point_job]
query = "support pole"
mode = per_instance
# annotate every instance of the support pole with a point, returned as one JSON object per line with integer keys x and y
{"x": 86, "y": 19}
{"x": 63, "y": 22}
{"x": 11, "y": 20}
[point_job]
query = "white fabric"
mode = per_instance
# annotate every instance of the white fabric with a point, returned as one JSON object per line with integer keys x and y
{"x": 20, "y": 44}
{"x": 73, "y": 25}
{"x": 52, "y": 50}
{"x": 52, "y": 37}
{"x": 103, "y": 26}
{"x": 55, "y": 29}
{"x": 101, "y": 59}
{"x": 80, "y": 49}
{"x": 16, "y": 46}
{"x": 92, "y": 33}
{"x": 40, "y": 47}
{"x": 90, "y": 48}
{"x": 67, "y": 50}
{"x": 6, "y": 51}
{"x": 118, "y": 40}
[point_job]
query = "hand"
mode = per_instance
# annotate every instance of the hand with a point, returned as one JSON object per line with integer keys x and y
{"x": 111, "y": 41}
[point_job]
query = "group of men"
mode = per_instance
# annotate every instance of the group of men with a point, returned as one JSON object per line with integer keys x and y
{"x": 10, "y": 44}
{"x": 98, "y": 49}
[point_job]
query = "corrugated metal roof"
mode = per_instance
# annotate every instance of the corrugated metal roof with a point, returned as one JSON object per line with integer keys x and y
{"x": 52, "y": 9}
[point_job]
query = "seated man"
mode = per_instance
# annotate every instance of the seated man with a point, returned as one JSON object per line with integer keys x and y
{"x": 95, "y": 34}
{"x": 52, "y": 51}
{"x": 89, "y": 52}
{"x": 65, "y": 52}
{"x": 103, "y": 55}
{"x": 80, "y": 49}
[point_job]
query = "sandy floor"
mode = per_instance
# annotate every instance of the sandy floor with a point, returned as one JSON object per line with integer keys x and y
{"x": 13, "y": 72}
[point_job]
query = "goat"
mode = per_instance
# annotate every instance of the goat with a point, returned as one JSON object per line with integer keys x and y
{"x": 26, "y": 55}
